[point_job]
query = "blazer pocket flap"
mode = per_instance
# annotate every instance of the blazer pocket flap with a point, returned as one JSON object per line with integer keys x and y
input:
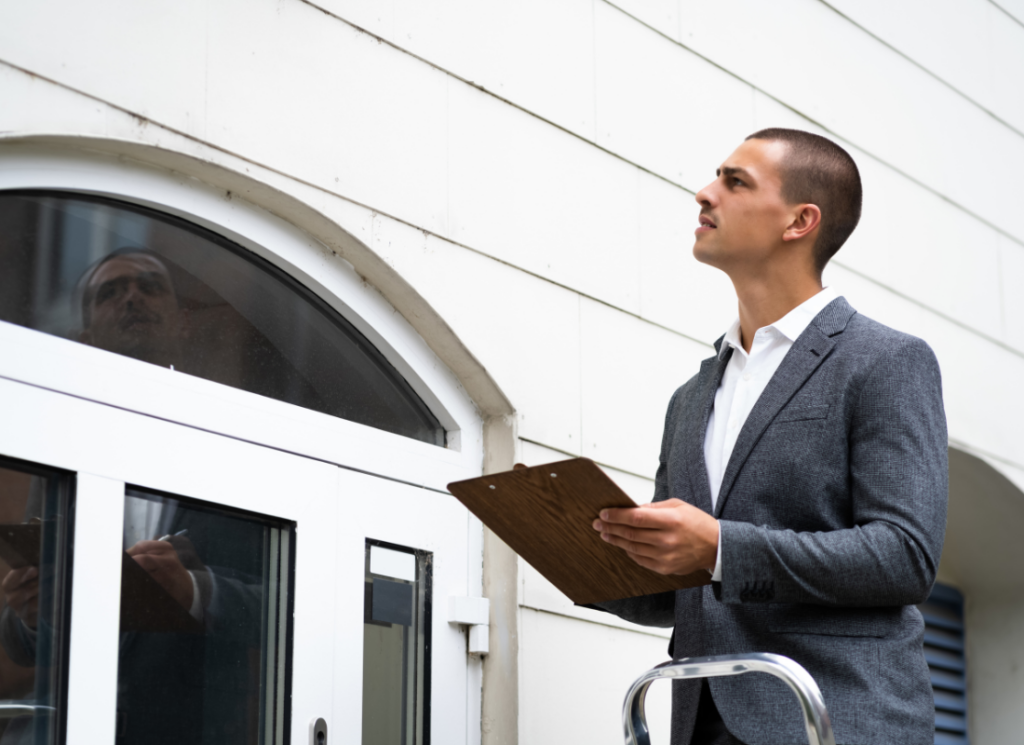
{"x": 803, "y": 413}
{"x": 792, "y": 618}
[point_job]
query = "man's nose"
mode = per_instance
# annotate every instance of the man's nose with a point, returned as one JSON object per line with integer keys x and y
{"x": 705, "y": 197}
{"x": 133, "y": 295}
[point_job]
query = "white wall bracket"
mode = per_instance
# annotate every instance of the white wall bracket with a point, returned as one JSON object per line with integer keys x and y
{"x": 474, "y": 613}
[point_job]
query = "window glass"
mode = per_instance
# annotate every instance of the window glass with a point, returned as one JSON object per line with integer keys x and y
{"x": 205, "y": 608}
{"x": 151, "y": 286}
{"x": 396, "y": 645}
{"x": 34, "y": 564}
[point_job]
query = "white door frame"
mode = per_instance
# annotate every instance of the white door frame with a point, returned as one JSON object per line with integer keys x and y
{"x": 59, "y": 374}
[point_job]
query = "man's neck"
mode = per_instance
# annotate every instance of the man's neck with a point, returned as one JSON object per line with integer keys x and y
{"x": 762, "y": 303}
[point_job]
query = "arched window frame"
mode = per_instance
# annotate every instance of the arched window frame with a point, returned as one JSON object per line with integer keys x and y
{"x": 92, "y": 374}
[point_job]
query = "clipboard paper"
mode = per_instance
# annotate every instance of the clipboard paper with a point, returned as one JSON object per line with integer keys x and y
{"x": 544, "y": 514}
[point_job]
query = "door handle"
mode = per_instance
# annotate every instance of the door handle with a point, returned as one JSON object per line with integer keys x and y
{"x": 318, "y": 732}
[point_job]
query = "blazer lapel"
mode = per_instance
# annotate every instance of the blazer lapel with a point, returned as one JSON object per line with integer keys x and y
{"x": 710, "y": 377}
{"x": 803, "y": 358}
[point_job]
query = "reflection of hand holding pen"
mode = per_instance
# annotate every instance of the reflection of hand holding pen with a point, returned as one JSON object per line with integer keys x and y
{"x": 182, "y": 533}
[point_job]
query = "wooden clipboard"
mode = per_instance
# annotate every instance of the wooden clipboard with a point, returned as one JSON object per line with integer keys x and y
{"x": 544, "y": 514}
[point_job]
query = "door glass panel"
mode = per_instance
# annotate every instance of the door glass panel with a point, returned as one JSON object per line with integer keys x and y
{"x": 205, "y": 640}
{"x": 147, "y": 285}
{"x": 34, "y": 562}
{"x": 396, "y": 645}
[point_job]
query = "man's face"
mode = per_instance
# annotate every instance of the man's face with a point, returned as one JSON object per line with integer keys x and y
{"x": 133, "y": 310}
{"x": 742, "y": 213}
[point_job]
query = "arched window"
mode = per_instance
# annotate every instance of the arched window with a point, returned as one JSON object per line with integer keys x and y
{"x": 154, "y": 287}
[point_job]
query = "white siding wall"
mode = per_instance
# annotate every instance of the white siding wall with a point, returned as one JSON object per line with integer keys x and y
{"x": 529, "y": 167}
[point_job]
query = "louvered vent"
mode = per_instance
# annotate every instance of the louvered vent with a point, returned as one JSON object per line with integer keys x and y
{"x": 944, "y": 649}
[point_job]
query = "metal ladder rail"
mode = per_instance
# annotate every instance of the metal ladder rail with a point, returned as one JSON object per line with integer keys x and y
{"x": 819, "y": 726}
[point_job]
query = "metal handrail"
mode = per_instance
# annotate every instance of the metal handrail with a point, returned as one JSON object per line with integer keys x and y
{"x": 819, "y": 726}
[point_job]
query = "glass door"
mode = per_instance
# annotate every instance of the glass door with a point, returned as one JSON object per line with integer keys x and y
{"x": 160, "y": 584}
{"x": 403, "y": 551}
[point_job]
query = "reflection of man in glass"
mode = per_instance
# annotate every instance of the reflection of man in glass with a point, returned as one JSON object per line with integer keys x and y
{"x": 208, "y": 563}
{"x": 129, "y": 306}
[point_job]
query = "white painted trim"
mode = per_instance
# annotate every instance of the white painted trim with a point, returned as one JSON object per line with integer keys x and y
{"x": 95, "y": 607}
{"x": 73, "y": 368}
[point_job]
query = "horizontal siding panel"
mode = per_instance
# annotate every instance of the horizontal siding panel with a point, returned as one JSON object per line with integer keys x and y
{"x": 957, "y": 349}
{"x": 970, "y": 44}
{"x": 630, "y": 369}
{"x": 536, "y": 53}
{"x": 653, "y": 98}
{"x": 906, "y": 117}
{"x": 539, "y": 198}
{"x": 522, "y": 329}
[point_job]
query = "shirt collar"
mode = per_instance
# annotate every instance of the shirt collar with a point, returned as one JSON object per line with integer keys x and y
{"x": 790, "y": 325}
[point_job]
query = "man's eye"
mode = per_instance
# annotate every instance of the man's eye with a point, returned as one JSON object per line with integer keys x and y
{"x": 151, "y": 286}
{"x": 107, "y": 292}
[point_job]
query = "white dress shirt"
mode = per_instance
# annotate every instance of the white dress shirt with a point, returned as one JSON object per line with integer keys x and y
{"x": 745, "y": 378}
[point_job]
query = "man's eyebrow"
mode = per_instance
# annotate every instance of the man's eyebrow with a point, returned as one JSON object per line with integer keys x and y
{"x": 732, "y": 171}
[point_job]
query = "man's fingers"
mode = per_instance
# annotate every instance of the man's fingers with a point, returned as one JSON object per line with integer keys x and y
{"x": 147, "y": 562}
{"x": 18, "y": 577}
{"x": 647, "y": 563}
{"x": 654, "y": 516}
{"x": 633, "y": 535}
{"x": 665, "y": 504}
{"x": 633, "y": 548}
{"x": 150, "y": 547}
{"x": 624, "y": 516}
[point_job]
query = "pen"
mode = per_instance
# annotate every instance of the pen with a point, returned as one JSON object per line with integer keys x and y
{"x": 182, "y": 533}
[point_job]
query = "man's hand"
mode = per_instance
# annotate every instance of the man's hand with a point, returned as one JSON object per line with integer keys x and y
{"x": 670, "y": 537}
{"x": 161, "y": 561}
{"x": 22, "y": 589}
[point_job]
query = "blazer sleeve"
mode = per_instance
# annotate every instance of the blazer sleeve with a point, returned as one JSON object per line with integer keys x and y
{"x": 898, "y": 480}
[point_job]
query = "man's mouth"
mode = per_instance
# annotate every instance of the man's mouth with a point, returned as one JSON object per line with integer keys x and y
{"x": 135, "y": 321}
{"x": 706, "y": 224}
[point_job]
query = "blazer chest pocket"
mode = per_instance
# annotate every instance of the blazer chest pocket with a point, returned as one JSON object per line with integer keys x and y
{"x": 802, "y": 413}
{"x": 798, "y": 618}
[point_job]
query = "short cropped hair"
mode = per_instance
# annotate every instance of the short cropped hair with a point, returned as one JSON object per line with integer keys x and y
{"x": 87, "y": 292}
{"x": 817, "y": 171}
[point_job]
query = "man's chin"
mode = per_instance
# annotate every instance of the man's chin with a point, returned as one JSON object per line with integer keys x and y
{"x": 704, "y": 253}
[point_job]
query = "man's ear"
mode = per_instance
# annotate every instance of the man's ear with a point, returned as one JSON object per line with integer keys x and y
{"x": 806, "y": 219}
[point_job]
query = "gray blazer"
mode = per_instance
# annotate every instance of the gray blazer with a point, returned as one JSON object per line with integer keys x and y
{"x": 833, "y": 513}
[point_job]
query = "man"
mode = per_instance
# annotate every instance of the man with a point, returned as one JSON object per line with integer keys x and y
{"x": 129, "y": 307}
{"x": 189, "y": 679}
{"x": 804, "y": 467}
